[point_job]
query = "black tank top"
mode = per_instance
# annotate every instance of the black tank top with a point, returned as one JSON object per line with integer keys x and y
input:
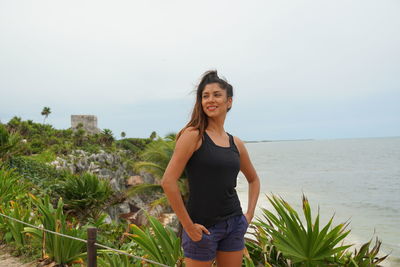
{"x": 212, "y": 172}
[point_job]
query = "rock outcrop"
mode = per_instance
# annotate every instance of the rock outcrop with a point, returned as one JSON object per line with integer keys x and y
{"x": 112, "y": 168}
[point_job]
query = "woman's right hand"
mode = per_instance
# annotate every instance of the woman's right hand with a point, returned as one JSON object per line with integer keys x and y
{"x": 195, "y": 231}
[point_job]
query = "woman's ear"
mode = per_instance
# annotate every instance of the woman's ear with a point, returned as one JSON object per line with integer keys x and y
{"x": 229, "y": 102}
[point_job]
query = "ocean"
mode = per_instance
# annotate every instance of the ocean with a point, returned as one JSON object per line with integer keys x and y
{"x": 356, "y": 180}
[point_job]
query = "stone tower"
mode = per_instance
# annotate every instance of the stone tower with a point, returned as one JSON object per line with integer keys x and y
{"x": 89, "y": 123}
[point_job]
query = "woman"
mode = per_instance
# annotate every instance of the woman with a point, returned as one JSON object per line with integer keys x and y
{"x": 213, "y": 223}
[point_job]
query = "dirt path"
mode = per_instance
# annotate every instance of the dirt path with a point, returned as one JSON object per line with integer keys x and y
{"x": 6, "y": 260}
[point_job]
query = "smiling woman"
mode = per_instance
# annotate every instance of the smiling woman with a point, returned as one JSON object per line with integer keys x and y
{"x": 214, "y": 224}
{"x": 215, "y": 100}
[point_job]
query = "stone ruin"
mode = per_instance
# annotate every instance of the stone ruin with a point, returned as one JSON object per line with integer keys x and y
{"x": 89, "y": 123}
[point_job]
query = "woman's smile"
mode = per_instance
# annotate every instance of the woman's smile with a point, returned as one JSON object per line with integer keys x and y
{"x": 214, "y": 100}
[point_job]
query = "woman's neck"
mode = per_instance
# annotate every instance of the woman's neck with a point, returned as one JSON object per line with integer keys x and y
{"x": 216, "y": 126}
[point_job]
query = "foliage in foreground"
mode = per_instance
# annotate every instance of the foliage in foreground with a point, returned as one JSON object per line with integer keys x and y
{"x": 160, "y": 243}
{"x": 10, "y": 144}
{"x": 44, "y": 177}
{"x": 14, "y": 230}
{"x": 109, "y": 258}
{"x": 85, "y": 195}
{"x": 156, "y": 157}
{"x": 303, "y": 244}
{"x": 11, "y": 186}
{"x": 60, "y": 249}
{"x": 283, "y": 240}
{"x": 364, "y": 257}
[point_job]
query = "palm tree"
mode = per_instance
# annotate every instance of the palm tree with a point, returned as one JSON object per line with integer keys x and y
{"x": 156, "y": 157}
{"x": 45, "y": 112}
{"x": 171, "y": 136}
{"x": 107, "y": 137}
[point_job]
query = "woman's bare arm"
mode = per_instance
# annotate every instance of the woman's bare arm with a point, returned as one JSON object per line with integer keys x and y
{"x": 247, "y": 168}
{"x": 184, "y": 148}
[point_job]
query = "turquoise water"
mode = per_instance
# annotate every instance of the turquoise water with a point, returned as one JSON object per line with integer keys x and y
{"x": 355, "y": 179}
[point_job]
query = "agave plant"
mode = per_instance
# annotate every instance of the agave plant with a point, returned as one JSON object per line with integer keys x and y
{"x": 62, "y": 250}
{"x": 159, "y": 243}
{"x": 85, "y": 196}
{"x": 284, "y": 240}
{"x": 364, "y": 257}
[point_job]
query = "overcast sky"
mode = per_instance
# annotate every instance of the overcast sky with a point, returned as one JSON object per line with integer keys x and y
{"x": 300, "y": 69}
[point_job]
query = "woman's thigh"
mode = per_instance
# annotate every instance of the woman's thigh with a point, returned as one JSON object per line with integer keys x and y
{"x": 229, "y": 258}
{"x": 225, "y": 236}
{"x": 195, "y": 263}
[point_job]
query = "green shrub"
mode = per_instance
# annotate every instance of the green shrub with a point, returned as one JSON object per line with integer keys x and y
{"x": 10, "y": 144}
{"x": 110, "y": 234}
{"x": 158, "y": 242}
{"x": 13, "y": 230}
{"x": 305, "y": 244}
{"x": 45, "y": 156}
{"x": 91, "y": 148}
{"x": 62, "y": 250}
{"x": 85, "y": 196}
{"x": 364, "y": 257}
{"x": 109, "y": 258}
{"x": 283, "y": 240}
{"x": 37, "y": 146}
{"x": 134, "y": 145}
{"x": 11, "y": 186}
{"x": 44, "y": 176}
{"x": 155, "y": 158}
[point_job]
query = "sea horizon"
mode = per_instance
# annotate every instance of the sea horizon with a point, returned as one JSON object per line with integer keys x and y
{"x": 315, "y": 139}
{"x": 355, "y": 179}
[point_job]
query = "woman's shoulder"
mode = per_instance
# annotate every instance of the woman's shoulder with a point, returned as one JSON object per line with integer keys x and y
{"x": 236, "y": 139}
{"x": 239, "y": 143}
{"x": 190, "y": 132}
{"x": 190, "y": 136}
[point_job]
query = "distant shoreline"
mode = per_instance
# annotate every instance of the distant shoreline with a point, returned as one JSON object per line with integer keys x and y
{"x": 265, "y": 141}
{"x": 316, "y": 139}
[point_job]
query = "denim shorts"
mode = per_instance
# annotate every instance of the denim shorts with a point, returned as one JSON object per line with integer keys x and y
{"x": 226, "y": 235}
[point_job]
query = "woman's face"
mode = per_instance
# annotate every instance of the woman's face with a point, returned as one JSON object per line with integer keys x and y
{"x": 214, "y": 100}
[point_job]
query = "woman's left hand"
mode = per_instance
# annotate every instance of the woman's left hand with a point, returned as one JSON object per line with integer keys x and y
{"x": 249, "y": 217}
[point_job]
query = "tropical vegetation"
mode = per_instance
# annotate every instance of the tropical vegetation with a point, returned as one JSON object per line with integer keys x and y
{"x": 36, "y": 193}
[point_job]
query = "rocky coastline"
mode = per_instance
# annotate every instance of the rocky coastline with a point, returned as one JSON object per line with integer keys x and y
{"x": 112, "y": 167}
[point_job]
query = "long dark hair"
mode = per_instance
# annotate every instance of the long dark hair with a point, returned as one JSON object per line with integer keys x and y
{"x": 199, "y": 118}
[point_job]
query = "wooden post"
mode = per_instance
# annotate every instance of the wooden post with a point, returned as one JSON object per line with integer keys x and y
{"x": 91, "y": 248}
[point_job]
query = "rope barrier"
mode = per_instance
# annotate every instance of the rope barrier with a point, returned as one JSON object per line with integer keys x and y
{"x": 83, "y": 240}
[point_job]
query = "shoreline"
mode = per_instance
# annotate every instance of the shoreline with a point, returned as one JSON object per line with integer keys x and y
{"x": 318, "y": 139}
